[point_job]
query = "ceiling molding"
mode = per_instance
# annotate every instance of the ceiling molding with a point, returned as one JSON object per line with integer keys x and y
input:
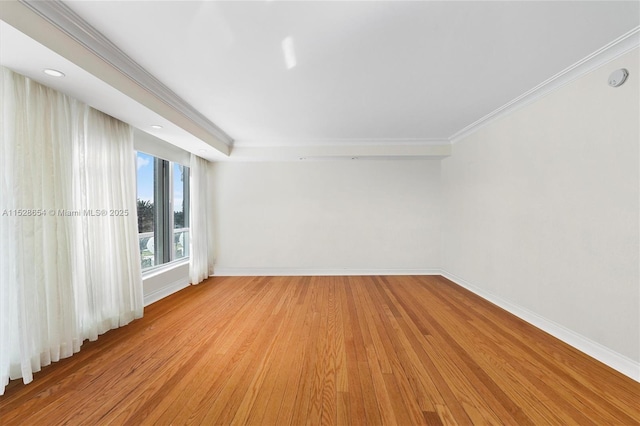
{"x": 63, "y": 18}
{"x": 607, "y": 53}
{"x": 343, "y": 142}
{"x": 59, "y": 28}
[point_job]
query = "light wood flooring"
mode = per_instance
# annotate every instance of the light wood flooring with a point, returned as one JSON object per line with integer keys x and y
{"x": 325, "y": 350}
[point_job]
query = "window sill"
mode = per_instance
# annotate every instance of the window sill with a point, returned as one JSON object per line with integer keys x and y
{"x": 160, "y": 269}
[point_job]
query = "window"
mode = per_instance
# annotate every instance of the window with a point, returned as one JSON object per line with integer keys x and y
{"x": 180, "y": 211}
{"x": 163, "y": 210}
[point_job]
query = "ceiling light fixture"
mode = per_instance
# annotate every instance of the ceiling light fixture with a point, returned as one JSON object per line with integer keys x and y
{"x": 53, "y": 73}
{"x": 156, "y": 126}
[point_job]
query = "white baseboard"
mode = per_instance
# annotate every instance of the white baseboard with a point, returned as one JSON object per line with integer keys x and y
{"x": 273, "y": 272}
{"x": 618, "y": 362}
{"x": 165, "y": 291}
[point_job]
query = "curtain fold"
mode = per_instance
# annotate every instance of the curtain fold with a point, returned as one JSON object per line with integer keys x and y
{"x": 69, "y": 261}
{"x": 109, "y": 198}
{"x": 37, "y": 317}
{"x": 199, "y": 216}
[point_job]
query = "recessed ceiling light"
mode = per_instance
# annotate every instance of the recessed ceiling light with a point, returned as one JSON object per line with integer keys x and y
{"x": 156, "y": 126}
{"x": 53, "y": 73}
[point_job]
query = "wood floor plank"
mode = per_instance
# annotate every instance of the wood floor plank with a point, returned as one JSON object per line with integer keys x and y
{"x": 363, "y": 368}
{"x": 251, "y": 369}
{"x": 302, "y": 408}
{"x": 428, "y": 378}
{"x": 298, "y": 351}
{"x": 241, "y": 331}
{"x": 325, "y": 350}
{"x": 352, "y": 340}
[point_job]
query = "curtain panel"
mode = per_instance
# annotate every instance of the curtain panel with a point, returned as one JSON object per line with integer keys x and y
{"x": 200, "y": 263}
{"x": 69, "y": 258}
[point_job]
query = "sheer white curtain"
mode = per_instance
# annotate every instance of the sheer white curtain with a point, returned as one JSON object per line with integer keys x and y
{"x": 69, "y": 262}
{"x": 200, "y": 263}
{"x": 37, "y": 319}
{"x": 108, "y": 261}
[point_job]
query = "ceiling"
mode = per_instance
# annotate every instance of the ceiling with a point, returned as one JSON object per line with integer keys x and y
{"x": 377, "y": 74}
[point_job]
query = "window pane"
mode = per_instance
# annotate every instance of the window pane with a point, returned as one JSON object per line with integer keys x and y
{"x": 180, "y": 211}
{"x": 163, "y": 210}
{"x": 146, "y": 206}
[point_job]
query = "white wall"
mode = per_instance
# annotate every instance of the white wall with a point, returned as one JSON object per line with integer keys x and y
{"x": 540, "y": 209}
{"x": 324, "y": 217}
{"x": 164, "y": 281}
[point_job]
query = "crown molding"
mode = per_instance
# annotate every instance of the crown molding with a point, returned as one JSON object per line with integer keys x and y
{"x": 62, "y": 18}
{"x": 71, "y": 24}
{"x": 607, "y": 53}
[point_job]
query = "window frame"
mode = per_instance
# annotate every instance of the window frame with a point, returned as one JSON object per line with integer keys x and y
{"x": 163, "y": 213}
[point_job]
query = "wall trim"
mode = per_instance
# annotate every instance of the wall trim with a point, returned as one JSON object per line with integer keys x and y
{"x": 165, "y": 291}
{"x": 618, "y": 362}
{"x": 339, "y": 153}
{"x": 605, "y": 54}
{"x": 288, "y": 272}
{"x": 292, "y": 142}
{"x": 66, "y": 20}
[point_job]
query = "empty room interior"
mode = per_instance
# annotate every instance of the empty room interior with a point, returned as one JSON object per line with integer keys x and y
{"x": 320, "y": 212}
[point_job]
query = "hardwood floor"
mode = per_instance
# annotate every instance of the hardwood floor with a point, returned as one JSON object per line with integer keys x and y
{"x": 325, "y": 350}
